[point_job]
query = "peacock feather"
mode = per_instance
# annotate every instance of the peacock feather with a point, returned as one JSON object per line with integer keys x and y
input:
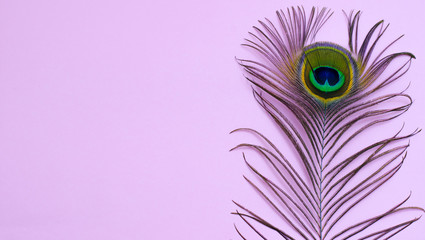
{"x": 323, "y": 98}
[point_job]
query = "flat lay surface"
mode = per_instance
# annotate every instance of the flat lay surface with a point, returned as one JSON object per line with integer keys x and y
{"x": 115, "y": 115}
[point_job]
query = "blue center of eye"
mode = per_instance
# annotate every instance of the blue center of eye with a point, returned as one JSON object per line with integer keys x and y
{"x": 323, "y": 74}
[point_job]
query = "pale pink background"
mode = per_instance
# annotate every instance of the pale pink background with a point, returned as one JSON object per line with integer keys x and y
{"x": 114, "y": 115}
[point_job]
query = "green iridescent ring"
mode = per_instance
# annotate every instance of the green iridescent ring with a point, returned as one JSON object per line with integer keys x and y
{"x": 326, "y": 86}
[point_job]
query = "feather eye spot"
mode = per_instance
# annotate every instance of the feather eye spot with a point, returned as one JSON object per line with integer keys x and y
{"x": 327, "y": 71}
